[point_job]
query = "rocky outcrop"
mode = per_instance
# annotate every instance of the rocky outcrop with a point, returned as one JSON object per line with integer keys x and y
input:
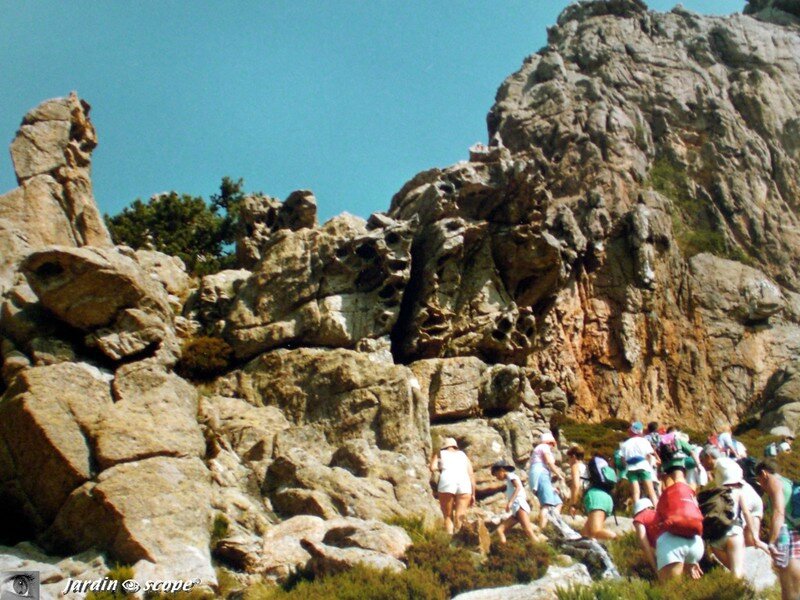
{"x": 105, "y": 294}
{"x": 54, "y": 203}
{"x": 332, "y": 286}
{"x": 556, "y": 578}
{"x": 626, "y": 245}
{"x": 261, "y": 216}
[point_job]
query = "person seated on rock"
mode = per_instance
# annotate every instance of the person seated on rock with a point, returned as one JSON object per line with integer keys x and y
{"x": 456, "y": 487}
{"x": 636, "y": 453}
{"x": 679, "y": 523}
{"x": 541, "y": 468}
{"x": 516, "y": 501}
{"x": 645, "y": 526}
{"x": 729, "y": 549}
{"x": 597, "y": 501}
{"x": 784, "y": 538}
{"x": 578, "y": 479}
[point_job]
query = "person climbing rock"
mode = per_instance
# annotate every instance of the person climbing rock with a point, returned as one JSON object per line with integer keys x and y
{"x": 636, "y": 453}
{"x": 578, "y": 478}
{"x": 456, "y": 487}
{"x": 541, "y": 469}
{"x": 516, "y": 502}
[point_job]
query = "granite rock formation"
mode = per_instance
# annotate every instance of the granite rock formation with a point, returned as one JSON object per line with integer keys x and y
{"x": 626, "y": 244}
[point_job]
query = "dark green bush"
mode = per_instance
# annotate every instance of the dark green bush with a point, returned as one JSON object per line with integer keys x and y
{"x": 119, "y": 574}
{"x": 456, "y": 567}
{"x": 518, "y": 561}
{"x": 219, "y": 529}
{"x": 717, "y": 584}
{"x": 204, "y": 357}
{"x": 359, "y": 583}
{"x": 417, "y": 529}
{"x": 629, "y": 557}
{"x": 596, "y": 438}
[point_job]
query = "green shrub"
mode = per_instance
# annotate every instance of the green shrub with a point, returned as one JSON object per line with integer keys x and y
{"x": 629, "y": 557}
{"x": 204, "y": 357}
{"x": 219, "y": 529}
{"x": 119, "y": 574}
{"x": 417, "y": 529}
{"x": 717, "y": 584}
{"x": 518, "y": 561}
{"x": 359, "y": 583}
{"x": 456, "y": 567}
{"x": 596, "y": 438}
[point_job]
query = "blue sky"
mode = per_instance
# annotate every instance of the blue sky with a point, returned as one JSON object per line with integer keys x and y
{"x": 348, "y": 99}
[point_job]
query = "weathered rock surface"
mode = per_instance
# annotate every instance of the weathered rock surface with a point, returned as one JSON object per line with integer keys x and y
{"x": 49, "y": 422}
{"x": 103, "y": 293}
{"x": 331, "y": 286}
{"x": 261, "y": 216}
{"x": 54, "y": 203}
{"x": 782, "y": 399}
{"x": 542, "y": 589}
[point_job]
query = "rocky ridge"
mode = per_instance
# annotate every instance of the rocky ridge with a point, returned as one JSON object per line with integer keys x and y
{"x": 625, "y": 245}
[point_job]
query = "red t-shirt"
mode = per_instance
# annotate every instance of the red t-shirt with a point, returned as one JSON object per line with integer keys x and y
{"x": 648, "y": 518}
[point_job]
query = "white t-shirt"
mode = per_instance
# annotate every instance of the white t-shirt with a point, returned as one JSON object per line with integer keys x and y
{"x": 635, "y": 451}
{"x": 752, "y": 500}
{"x": 454, "y": 462}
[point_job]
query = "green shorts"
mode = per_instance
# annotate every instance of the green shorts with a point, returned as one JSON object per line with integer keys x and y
{"x": 641, "y": 475}
{"x": 597, "y": 499}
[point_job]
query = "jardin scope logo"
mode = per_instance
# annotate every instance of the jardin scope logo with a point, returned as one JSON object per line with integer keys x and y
{"x": 19, "y": 584}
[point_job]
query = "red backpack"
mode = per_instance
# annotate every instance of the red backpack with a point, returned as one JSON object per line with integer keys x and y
{"x": 678, "y": 511}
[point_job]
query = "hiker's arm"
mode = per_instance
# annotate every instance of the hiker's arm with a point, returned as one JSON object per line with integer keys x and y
{"x": 775, "y": 491}
{"x": 575, "y": 485}
{"x": 434, "y": 459}
{"x": 748, "y": 520}
{"x": 551, "y": 464}
{"x": 472, "y": 481}
{"x": 649, "y": 553}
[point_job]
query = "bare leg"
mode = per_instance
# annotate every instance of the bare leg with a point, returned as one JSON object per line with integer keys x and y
{"x": 543, "y": 513}
{"x": 595, "y": 527}
{"x": 650, "y": 492}
{"x": 446, "y": 502}
{"x": 790, "y": 580}
{"x": 735, "y": 548}
{"x": 505, "y": 526}
{"x": 525, "y": 521}
{"x": 722, "y": 556}
{"x": 635, "y": 491}
{"x": 462, "y": 504}
{"x": 671, "y": 571}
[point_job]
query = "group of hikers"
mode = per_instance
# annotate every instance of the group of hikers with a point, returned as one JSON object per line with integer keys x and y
{"x": 674, "y": 523}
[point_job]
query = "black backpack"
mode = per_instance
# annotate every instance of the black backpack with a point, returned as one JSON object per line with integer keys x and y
{"x": 719, "y": 516}
{"x": 601, "y": 474}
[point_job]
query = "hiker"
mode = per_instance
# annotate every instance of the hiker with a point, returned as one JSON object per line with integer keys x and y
{"x": 783, "y": 539}
{"x": 597, "y": 501}
{"x": 517, "y": 502}
{"x": 636, "y": 453}
{"x": 456, "y": 485}
{"x": 729, "y": 546}
{"x": 786, "y": 444}
{"x": 727, "y": 444}
{"x": 578, "y": 478}
{"x": 542, "y": 466}
{"x": 653, "y": 435}
{"x": 679, "y": 545}
{"x": 695, "y": 473}
{"x": 645, "y": 525}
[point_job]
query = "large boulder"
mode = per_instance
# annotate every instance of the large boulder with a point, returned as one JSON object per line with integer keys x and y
{"x": 545, "y": 588}
{"x": 49, "y": 423}
{"x": 782, "y": 399}
{"x": 331, "y": 286}
{"x": 163, "y": 408}
{"x": 104, "y": 294}
{"x": 155, "y": 510}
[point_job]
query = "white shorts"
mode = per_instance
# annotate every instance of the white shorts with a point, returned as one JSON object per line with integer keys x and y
{"x": 453, "y": 485}
{"x": 520, "y": 503}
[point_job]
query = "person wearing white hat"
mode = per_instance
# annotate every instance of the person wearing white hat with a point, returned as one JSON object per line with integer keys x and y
{"x": 646, "y": 526}
{"x": 729, "y": 549}
{"x": 456, "y": 487}
{"x": 541, "y": 468}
